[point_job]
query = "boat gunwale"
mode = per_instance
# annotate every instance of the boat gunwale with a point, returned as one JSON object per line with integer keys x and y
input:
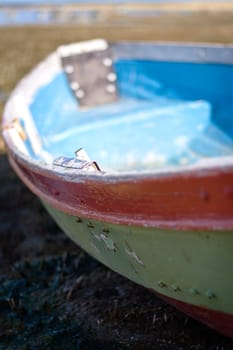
{"x": 29, "y": 85}
{"x": 48, "y": 189}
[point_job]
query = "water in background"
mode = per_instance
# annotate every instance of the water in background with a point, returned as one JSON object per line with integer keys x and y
{"x": 33, "y": 2}
{"x": 22, "y": 12}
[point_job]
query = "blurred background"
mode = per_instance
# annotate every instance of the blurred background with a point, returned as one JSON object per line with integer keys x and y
{"x": 52, "y": 295}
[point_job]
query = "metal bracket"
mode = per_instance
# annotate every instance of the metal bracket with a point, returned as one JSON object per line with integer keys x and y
{"x": 90, "y": 72}
{"x": 81, "y": 162}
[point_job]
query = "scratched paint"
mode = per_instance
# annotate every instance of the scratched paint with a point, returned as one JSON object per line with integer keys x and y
{"x": 155, "y": 259}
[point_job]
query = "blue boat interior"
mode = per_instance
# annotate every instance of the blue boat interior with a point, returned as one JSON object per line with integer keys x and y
{"x": 168, "y": 114}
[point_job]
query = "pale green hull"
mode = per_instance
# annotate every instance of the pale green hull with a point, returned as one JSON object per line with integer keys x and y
{"x": 192, "y": 267}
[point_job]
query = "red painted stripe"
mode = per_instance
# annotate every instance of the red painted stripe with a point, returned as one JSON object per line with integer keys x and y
{"x": 192, "y": 201}
{"x": 220, "y": 321}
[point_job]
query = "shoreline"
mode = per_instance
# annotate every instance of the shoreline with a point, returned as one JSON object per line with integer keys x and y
{"x": 23, "y": 14}
{"x": 178, "y": 5}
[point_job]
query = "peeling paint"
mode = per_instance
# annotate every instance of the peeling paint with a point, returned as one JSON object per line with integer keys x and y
{"x": 133, "y": 255}
{"x": 162, "y": 284}
{"x": 176, "y": 288}
{"x": 109, "y": 242}
{"x": 95, "y": 235}
{"x": 210, "y": 294}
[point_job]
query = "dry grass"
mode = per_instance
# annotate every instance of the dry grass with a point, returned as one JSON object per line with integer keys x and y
{"x": 23, "y": 47}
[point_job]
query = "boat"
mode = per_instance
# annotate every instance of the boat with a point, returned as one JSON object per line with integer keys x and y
{"x": 129, "y": 146}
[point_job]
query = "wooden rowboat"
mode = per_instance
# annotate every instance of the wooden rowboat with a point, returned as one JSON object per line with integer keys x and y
{"x": 157, "y": 207}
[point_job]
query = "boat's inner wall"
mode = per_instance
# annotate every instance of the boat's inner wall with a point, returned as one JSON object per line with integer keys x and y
{"x": 168, "y": 113}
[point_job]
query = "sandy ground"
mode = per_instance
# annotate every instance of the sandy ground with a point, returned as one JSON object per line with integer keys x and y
{"x": 52, "y": 295}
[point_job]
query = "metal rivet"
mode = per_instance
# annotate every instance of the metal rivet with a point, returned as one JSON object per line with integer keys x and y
{"x": 162, "y": 284}
{"x": 111, "y": 88}
{"x": 194, "y": 291}
{"x": 175, "y": 287}
{"x": 80, "y": 93}
{"x": 111, "y": 77}
{"x": 69, "y": 69}
{"x": 107, "y": 62}
{"x": 210, "y": 294}
{"x": 74, "y": 85}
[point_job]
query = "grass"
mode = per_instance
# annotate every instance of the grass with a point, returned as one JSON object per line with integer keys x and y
{"x": 23, "y": 47}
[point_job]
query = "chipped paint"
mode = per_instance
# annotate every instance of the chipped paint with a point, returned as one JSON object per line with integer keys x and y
{"x": 109, "y": 242}
{"x": 95, "y": 235}
{"x": 102, "y": 237}
{"x": 175, "y": 287}
{"x": 194, "y": 291}
{"x": 133, "y": 255}
{"x": 178, "y": 281}
{"x": 162, "y": 284}
{"x": 210, "y": 294}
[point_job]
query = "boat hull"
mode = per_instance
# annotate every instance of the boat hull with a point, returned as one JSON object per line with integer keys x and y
{"x": 193, "y": 200}
{"x": 187, "y": 262}
{"x": 183, "y": 267}
{"x": 168, "y": 229}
